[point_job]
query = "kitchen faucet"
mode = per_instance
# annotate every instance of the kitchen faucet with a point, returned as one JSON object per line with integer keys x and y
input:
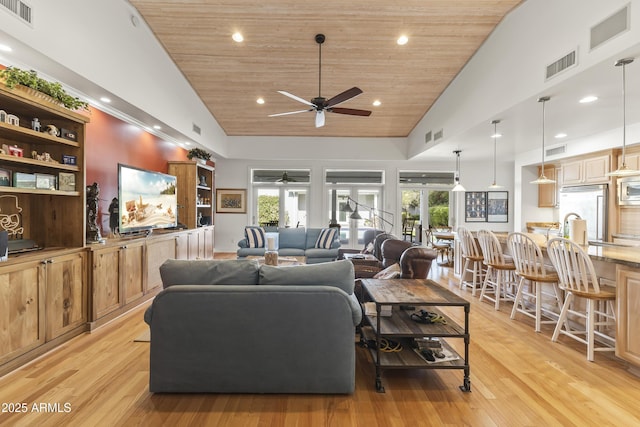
{"x": 565, "y": 223}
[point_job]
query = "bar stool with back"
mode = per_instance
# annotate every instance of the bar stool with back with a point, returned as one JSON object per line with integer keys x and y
{"x": 578, "y": 279}
{"x": 500, "y": 270}
{"x": 529, "y": 262}
{"x": 472, "y": 256}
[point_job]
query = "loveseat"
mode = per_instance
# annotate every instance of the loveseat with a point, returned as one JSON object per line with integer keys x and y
{"x": 236, "y": 327}
{"x": 293, "y": 242}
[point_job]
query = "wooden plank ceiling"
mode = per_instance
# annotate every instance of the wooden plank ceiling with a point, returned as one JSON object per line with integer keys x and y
{"x": 279, "y": 52}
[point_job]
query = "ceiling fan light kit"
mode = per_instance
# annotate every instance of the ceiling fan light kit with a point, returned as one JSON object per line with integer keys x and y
{"x": 542, "y": 179}
{"x": 624, "y": 170}
{"x": 320, "y": 104}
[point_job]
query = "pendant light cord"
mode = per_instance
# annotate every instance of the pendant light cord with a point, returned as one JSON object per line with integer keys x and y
{"x": 624, "y": 114}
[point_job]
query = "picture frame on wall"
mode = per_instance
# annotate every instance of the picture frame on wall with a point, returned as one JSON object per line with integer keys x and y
{"x": 498, "y": 206}
{"x": 231, "y": 200}
{"x": 475, "y": 206}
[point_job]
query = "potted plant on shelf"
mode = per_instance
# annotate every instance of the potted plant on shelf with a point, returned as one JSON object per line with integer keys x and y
{"x": 13, "y": 77}
{"x": 199, "y": 154}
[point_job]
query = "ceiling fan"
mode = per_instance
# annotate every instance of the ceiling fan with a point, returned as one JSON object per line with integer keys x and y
{"x": 320, "y": 104}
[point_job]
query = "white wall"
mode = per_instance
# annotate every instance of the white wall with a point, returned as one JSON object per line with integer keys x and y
{"x": 229, "y": 228}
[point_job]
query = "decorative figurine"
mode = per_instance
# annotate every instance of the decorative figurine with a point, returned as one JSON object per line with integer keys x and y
{"x": 114, "y": 215}
{"x": 93, "y": 232}
{"x": 203, "y": 180}
{"x": 35, "y": 124}
{"x": 13, "y": 120}
{"x": 45, "y": 157}
{"x": 51, "y": 130}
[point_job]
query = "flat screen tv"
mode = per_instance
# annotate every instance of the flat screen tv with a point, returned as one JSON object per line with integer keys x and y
{"x": 147, "y": 199}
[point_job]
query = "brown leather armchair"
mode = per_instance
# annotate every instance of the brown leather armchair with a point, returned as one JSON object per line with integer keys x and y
{"x": 415, "y": 261}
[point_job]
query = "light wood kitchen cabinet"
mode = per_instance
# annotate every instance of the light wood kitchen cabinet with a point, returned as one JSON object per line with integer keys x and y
{"x": 628, "y": 314}
{"x": 586, "y": 171}
{"x": 547, "y": 193}
{"x": 66, "y": 293}
{"x": 22, "y": 290}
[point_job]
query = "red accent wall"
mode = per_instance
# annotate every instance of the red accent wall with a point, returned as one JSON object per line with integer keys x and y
{"x": 109, "y": 141}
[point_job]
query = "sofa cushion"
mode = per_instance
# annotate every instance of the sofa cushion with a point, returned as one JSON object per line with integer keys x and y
{"x": 209, "y": 272}
{"x": 339, "y": 274}
{"x": 292, "y": 238}
{"x": 255, "y": 236}
{"x": 325, "y": 238}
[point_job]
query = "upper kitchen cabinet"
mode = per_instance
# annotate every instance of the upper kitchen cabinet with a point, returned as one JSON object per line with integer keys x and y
{"x": 592, "y": 170}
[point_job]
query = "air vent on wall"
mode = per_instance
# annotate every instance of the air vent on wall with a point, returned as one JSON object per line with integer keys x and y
{"x": 19, "y": 9}
{"x": 567, "y": 61}
{"x": 196, "y": 129}
{"x": 555, "y": 151}
{"x": 610, "y": 27}
{"x": 438, "y": 135}
{"x": 427, "y": 137}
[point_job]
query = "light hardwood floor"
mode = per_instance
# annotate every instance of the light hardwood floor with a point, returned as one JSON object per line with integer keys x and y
{"x": 518, "y": 378}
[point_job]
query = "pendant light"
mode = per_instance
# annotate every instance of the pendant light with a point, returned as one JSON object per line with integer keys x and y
{"x": 458, "y": 186}
{"x": 623, "y": 170}
{"x": 542, "y": 179}
{"x": 495, "y": 136}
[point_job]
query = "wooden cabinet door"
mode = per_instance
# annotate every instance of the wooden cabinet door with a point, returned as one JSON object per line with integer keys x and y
{"x": 208, "y": 242}
{"x": 596, "y": 169}
{"x": 547, "y": 192}
{"x": 66, "y": 294}
{"x": 628, "y": 312}
{"x": 572, "y": 172}
{"x": 182, "y": 246}
{"x": 157, "y": 252}
{"x": 132, "y": 274}
{"x": 21, "y": 302}
{"x": 105, "y": 281}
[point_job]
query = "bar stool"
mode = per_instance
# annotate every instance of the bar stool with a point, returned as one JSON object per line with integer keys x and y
{"x": 530, "y": 267}
{"x": 578, "y": 279}
{"x": 472, "y": 261}
{"x": 499, "y": 276}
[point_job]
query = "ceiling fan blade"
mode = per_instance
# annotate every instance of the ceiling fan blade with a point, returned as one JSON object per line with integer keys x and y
{"x": 297, "y": 98}
{"x": 351, "y": 111}
{"x": 290, "y": 112}
{"x": 320, "y": 118}
{"x": 344, "y": 96}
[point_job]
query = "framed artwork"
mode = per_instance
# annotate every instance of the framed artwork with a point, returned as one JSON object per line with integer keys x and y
{"x": 231, "y": 200}
{"x": 45, "y": 181}
{"x": 498, "y": 206}
{"x": 5, "y": 178}
{"x": 475, "y": 206}
{"x": 67, "y": 181}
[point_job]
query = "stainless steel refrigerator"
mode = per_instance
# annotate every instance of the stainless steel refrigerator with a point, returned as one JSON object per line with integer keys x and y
{"x": 590, "y": 202}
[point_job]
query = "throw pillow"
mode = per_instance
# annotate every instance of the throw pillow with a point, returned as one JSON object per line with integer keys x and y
{"x": 326, "y": 237}
{"x": 255, "y": 236}
{"x": 391, "y": 272}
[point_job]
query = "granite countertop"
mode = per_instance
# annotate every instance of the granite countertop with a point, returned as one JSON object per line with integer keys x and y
{"x": 607, "y": 252}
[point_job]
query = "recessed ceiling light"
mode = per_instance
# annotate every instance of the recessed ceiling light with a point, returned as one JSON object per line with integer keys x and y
{"x": 377, "y": 103}
{"x": 187, "y": 143}
{"x": 496, "y": 135}
{"x": 561, "y": 135}
{"x": 260, "y": 101}
{"x": 237, "y": 37}
{"x": 105, "y": 99}
{"x": 402, "y": 40}
{"x": 5, "y": 48}
{"x": 157, "y": 127}
{"x": 588, "y": 99}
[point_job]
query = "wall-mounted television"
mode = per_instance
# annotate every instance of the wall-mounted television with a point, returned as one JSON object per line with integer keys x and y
{"x": 147, "y": 199}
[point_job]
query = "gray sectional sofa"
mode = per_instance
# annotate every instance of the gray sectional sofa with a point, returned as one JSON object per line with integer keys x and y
{"x": 237, "y": 327}
{"x": 296, "y": 242}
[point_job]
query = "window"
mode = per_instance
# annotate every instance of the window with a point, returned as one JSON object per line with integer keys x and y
{"x": 350, "y": 190}
{"x": 280, "y": 198}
